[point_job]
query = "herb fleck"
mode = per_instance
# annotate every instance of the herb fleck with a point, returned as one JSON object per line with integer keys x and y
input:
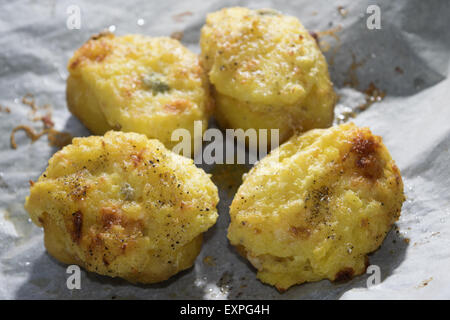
{"x": 154, "y": 81}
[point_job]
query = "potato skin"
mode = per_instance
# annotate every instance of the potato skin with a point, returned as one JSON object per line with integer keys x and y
{"x": 267, "y": 72}
{"x": 316, "y": 206}
{"x": 123, "y": 206}
{"x": 112, "y": 86}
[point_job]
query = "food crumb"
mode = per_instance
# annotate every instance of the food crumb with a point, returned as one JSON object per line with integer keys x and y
{"x": 342, "y": 11}
{"x": 180, "y": 16}
{"x": 372, "y": 95}
{"x": 424, "y": 283}
{"x": 208, "y": 260}
{"x": 225, "y": 282}
{"x": 28, "y": 99}
{"x": 435, "y": 234}
{"x": 177, "y": 35}
{"x": 28, "y": 131}
{"x": 399, "y": 70}
{"x": 5, "y": 109}
{"x": 56, "y": 138}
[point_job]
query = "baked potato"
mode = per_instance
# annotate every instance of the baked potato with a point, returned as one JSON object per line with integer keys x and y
{"x": 267, "y": 72}
{"x": 138, "y": 84}
{"x": 124, "y": 206}
{"x": 315, "y": 207}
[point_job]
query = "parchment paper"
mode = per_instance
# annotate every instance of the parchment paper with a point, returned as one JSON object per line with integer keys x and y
{"x": 408, "y": 58}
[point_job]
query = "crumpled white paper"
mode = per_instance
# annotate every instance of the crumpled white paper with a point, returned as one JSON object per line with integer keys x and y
{"x": 408, "y": 58}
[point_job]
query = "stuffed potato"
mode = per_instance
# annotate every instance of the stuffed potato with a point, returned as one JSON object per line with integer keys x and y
{"x": 316, "y": 206}
{"x": 138, "y": 84}
{"x": 267, "y": 72}
{"x": 123, "y": 206}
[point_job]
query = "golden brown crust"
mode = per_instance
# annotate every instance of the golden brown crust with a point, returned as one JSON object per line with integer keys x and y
{"x": 345, "y": 274}
{"x": 94, "y": 50}
{"x": 76, "y": 225}
{"x": 367, "y": 157}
